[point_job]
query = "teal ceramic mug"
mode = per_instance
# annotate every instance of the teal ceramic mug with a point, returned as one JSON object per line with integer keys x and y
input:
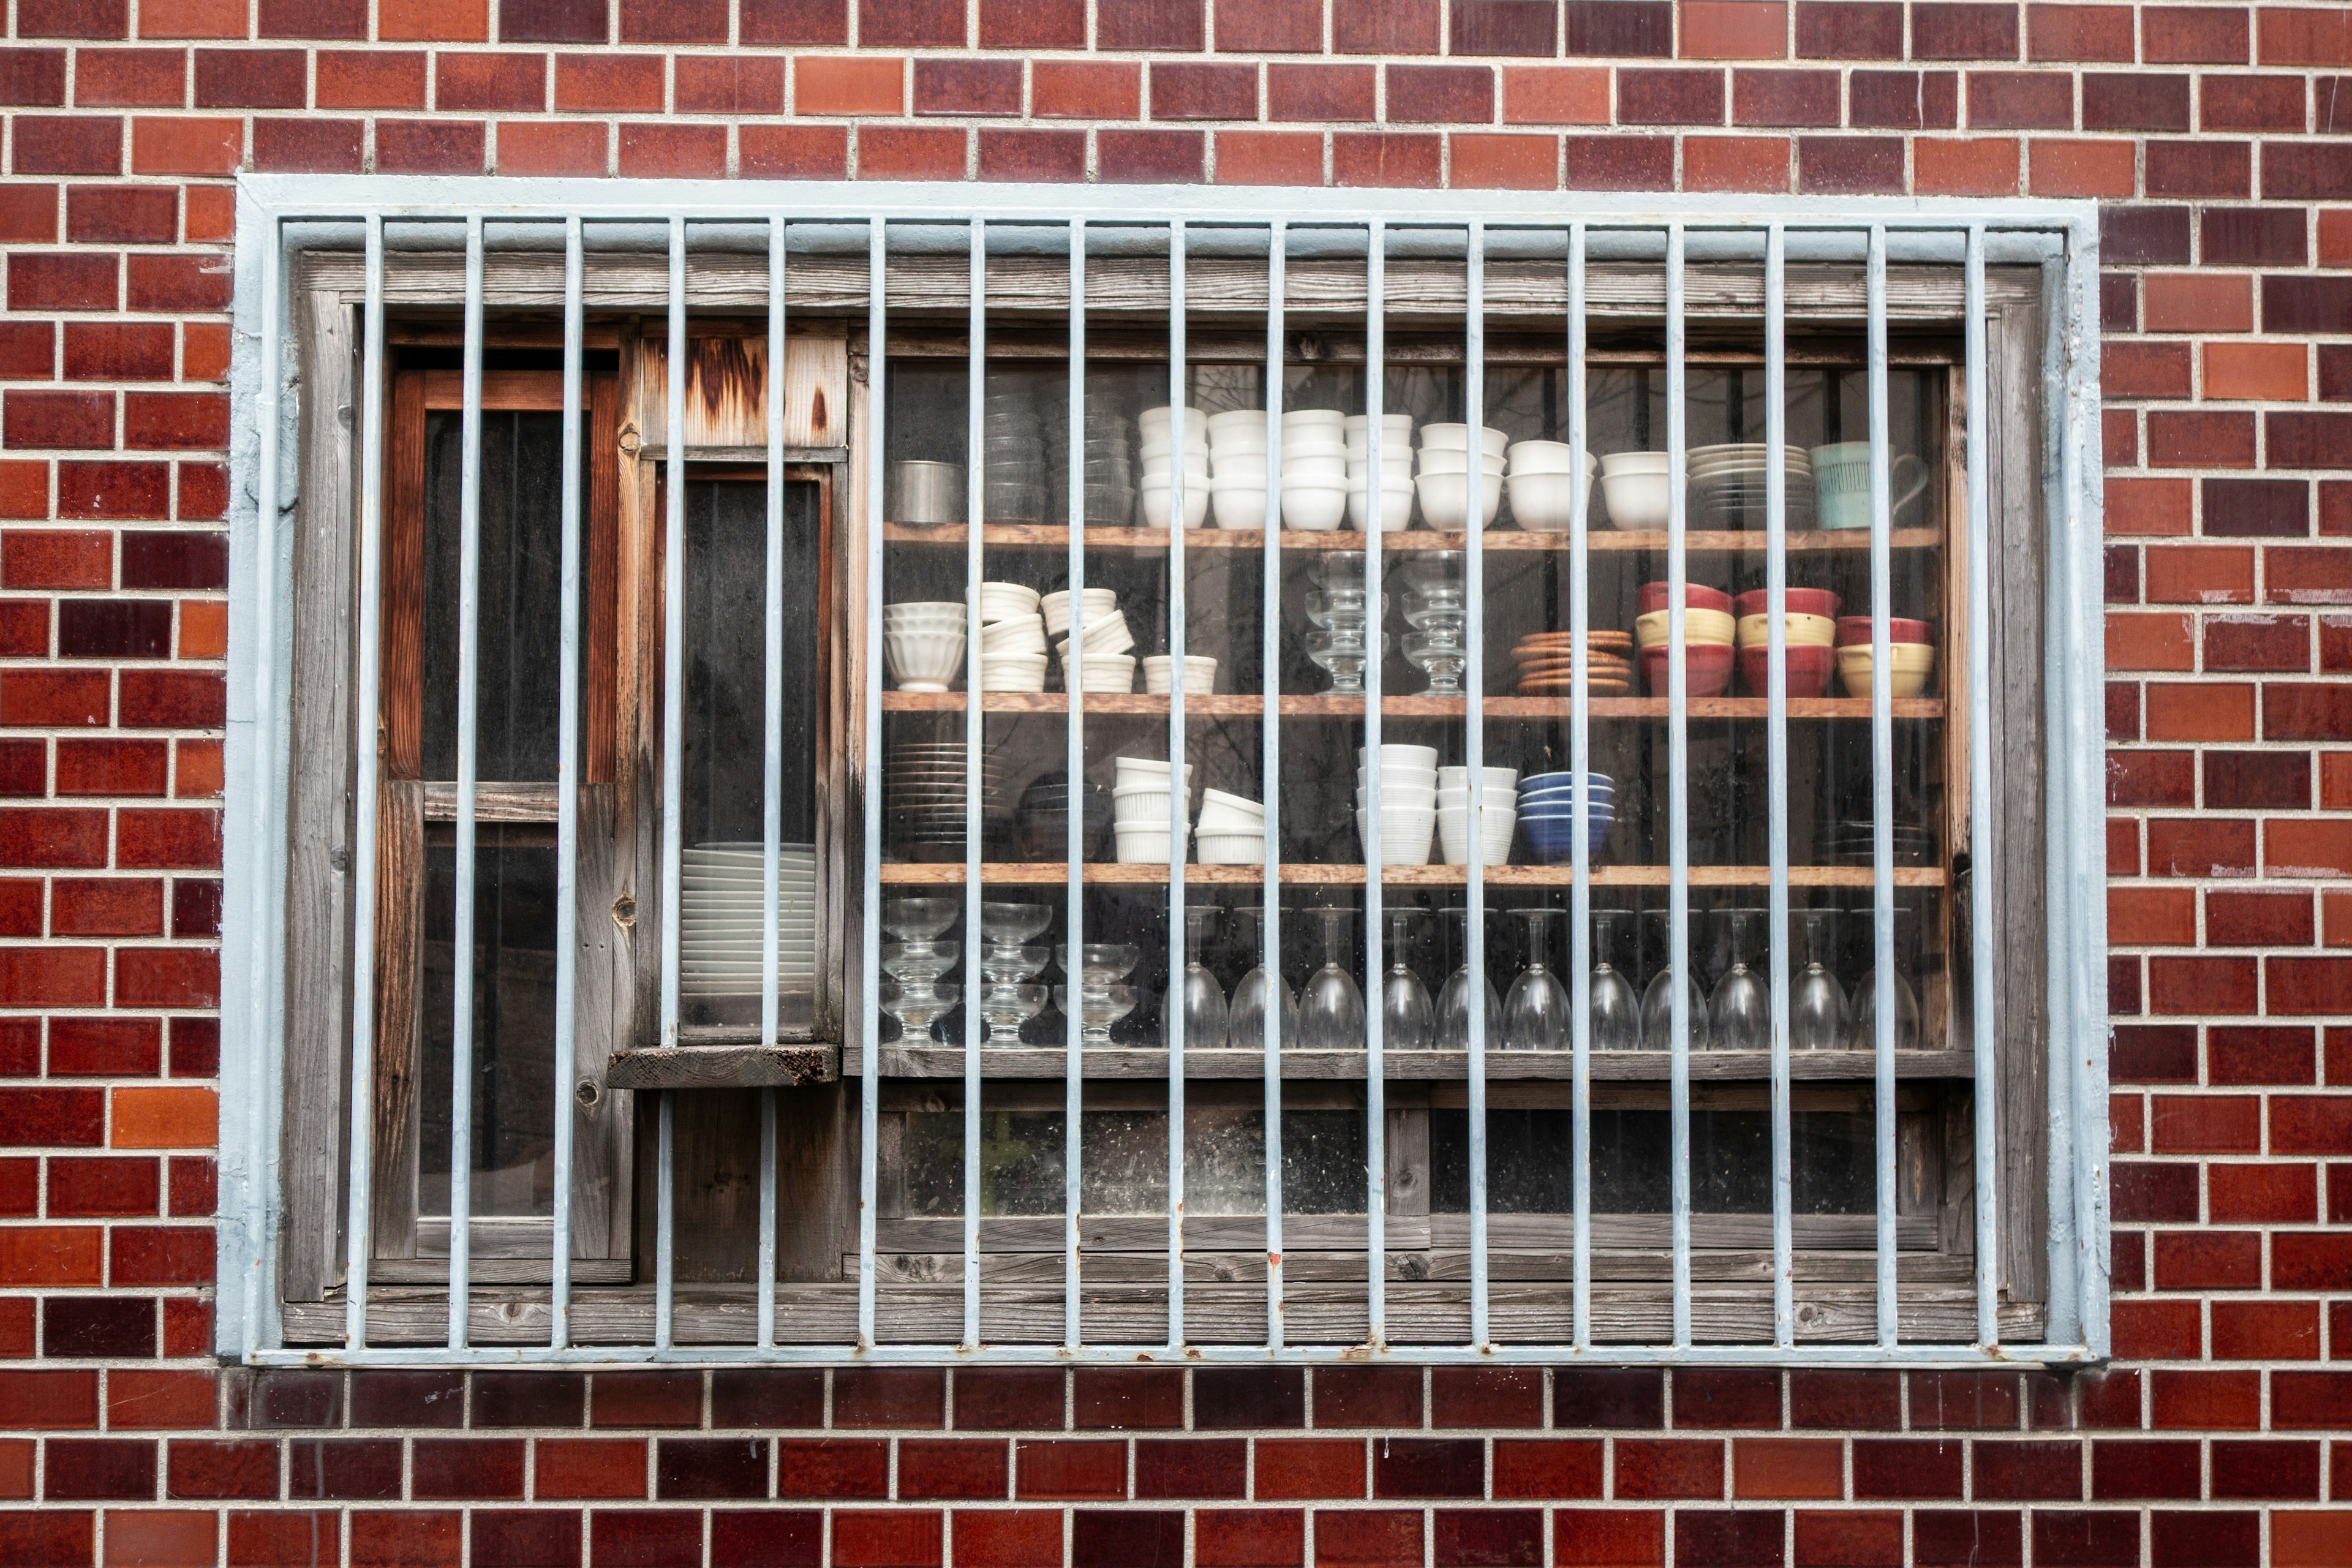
{"x": 1841, "y": 484}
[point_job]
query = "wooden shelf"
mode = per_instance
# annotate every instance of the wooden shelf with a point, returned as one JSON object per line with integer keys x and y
{"x": 721, "y": 1062}
{"x": 1056, "y": 538}
{"x": 1620, "y": 1066}
{"x": 1054, "y": 873}
{"x": 1252, "y": 705}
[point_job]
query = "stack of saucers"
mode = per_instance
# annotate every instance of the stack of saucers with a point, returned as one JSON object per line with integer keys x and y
{"x": 1407, "y": 805}
{"x": 923, "y": 798}
{"x": 1548, "y": 814}
{"x": 720, "y": 918}
{"x": 1728, "y": 485}
{"x": 1547, "y": 663}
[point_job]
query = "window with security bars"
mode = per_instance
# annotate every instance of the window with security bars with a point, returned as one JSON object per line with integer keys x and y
{"x": 1087, "y": 775}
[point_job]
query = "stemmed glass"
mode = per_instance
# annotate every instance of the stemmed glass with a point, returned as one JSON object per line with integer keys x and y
{"x": 1454, "y": 1001}
{"x": 1331, "y": 1012}
{"x": 917, "y": 960}
{"x": 1536, "y": 1012}
{"x": 1342, "y": 610}
{"x": 1102, "y": 1000}
{"x": 1658, "y": 999}
{"x": 1202, "y": 999}
{"x": 1817, "y": 1008}
{"x": 1245, "y": 1016}
{"x": 1437, "y": 610}
{"x": 1862, "y": 1028}
{"x": 1006, "y": 962}
{"x": 1740, "y": 1016}
{"x": 1616, "y": 1011}
{"x": 1408, "y": 1020}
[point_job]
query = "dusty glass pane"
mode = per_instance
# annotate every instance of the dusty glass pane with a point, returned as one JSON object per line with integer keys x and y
{"x": 1530, "y": 1169}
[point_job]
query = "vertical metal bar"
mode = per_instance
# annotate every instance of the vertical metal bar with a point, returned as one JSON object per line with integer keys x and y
{"x": 975, "y": 484}
{"x": 1881, "y": 777}
{"x": 358, "y": 1235}
{"x": 771, "y": 824}
{"x": 1270, "y": 769}
{"x": 1579, "y": 761}
{"x": 1473, "y": 741}
{"x": 470, "y": 667}
{"x": 1376, "y": 1196}
{"x": 567, "y": 795}
{"x": 1074, "y": 766}
{"x": 1982, "y": 944}
{"x": 1776, "y": 725}
{"x": 1678, "y": 783}
{"x": 870, "y": 808}
{"x": 673, "y": 759}
{"x": 1180, "y": 794}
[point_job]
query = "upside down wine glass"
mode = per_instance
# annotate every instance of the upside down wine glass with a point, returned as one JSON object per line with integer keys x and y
{"x": 1536, "y": 1012}
{"x": 1199, "y": 996}
{"x": 1408, "y": 1019}
{"x": 1817, "y": 1007}
{"x": 1245, "y": 1017}
{"x": 1331, "y": 1012}
{"x": 1616, "y": 1011}
{"x": 1453, "y": 1002}
{"x": 1740, "y": 1016}
{"x": 1658, "y": 1000}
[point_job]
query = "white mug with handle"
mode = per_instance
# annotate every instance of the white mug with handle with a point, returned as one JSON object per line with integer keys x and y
{"x": 1842, "y": 483}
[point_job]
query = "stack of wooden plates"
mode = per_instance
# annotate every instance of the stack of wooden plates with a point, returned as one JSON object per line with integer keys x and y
{"x": 1546, "y": 663}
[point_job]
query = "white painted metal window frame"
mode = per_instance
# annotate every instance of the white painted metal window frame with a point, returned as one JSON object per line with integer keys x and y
{"x": 2063, "y": 236}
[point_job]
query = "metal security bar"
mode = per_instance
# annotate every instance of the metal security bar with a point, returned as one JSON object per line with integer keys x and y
{"x": 1502, "y": 248}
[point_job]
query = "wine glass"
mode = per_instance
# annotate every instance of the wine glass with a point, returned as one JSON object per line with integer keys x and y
{"x": 1202, "y": 999}
{"x": 1331, "y": 1012}
{"x": 1536, "y": 1012}
{"x": 1245, "y": 1016}
{"x": 1454, "y": 1001}
{"x": 1616, "y": 1011}
{"x": 1740, "y": 1016}
{"x": 1862, "y": 1027}
{"x": 1817, "y": 1006}
{"x": 1658, "y": 999}
{"x": 1408, "y": 1019}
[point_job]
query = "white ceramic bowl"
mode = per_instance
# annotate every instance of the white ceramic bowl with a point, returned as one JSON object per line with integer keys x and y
{"x": 923, "y": 660}
{"x": 1104, "y": 672}
{"x": 1313, "y": 506}
{"x": 1006, "y": 601}
{"x": 1139, "y": 803}
{"x": 1013, "y": 673}
{"x": 1156, "y": 506}
{"x": 924, "y": 613}
{"x": 1224, "y": 819}
{"x": 1393, "y": 426}
{"x": 1637, "y": 500}
{"x": 1157, "y": 421}
{"x": 1456, "y": 439}
{"x": 1098, "y": 603}
{"x": 1234, "y": 421}
{"x": 1238, "y": 448}
{"x": 1632, "y": 463}
{"x": 1459, "y": 773}
{"x": 1443, "y": 499}
{"x": 1396, "y": 506}
{"x": 1109, "y": 634}
{"x": 1215, "y": 848}
{"x": 1545, "y": 503}
{"x": 1238, "y": 504}
{"x": 1450, "y": 461}
{"x": 1333, "y": 419}
{"x": 1547, "y": 457}
{"x": 1392, "y": 751}
{"x": 1200, "y": 674}
{"x": 1026, "y": 634}
{"x": 1404, "y": 838}
{"x": 1226, "y": 800}
{"x": 1142, "y": 843}
{"x": 1496, "y": 829}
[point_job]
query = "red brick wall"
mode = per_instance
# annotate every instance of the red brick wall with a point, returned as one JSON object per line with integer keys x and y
{"x": 2216, "y": 132}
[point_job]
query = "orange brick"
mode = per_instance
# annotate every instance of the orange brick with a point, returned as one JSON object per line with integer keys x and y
{"x": 530, "y": 147}
{"x": 2152, "y": 917}
{"x": 2201, "y": 711}
{"x": 457, "y": 21}
{"x": 1072, "y": 90}
{"x": 2311, "y": 1538}
{"x": 160, "y": 1538}
{"x": 185, "y": 147}
{"x": 50, "y": 1255}
{"x": 1974, "y": 166}
{"x": 2198, "y": 302}
{"x": 2150, "y": 642}
{"x": 2307, "y": 847}
{"x": 203, "y": 628}
{"x": 1555, "y": 95}
{"x": 199, "y": 771}
{"x": 2067, "y": 167}
{"x": 165, "y": 1118}
{"x": 2259, "y": 372}
{"x": 2335, "y": 237}
{"x": 2336, "y": 781}
{"x": 192, "y": 19}
{"x": 1269, "y": 157}
{"x": 1734, "y": 30}
{"x": 849, "y": 84}
{"x": 2335, "y": 919}
{"x": 1735, "y": 163}
{"x": 1788, "y": 1468}
{"x": 2148, "y": 506}
{"x": 1521, "y": 163}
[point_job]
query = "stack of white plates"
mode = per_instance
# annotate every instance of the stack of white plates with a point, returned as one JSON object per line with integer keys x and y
{"x": 1728, "y": 486}
{"x": 923, "y": 797}
{"x": 720, "y": 919}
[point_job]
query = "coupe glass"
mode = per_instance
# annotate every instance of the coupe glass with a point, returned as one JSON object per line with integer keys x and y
{"x": 1740, "y": 1016}
{"x": 1202, "y": 999}
{"x": 917, "y": 959}
{"x": 1331, "y": 1011}
{"x": 1245, "y": 1017}
{"x": 1006, "y": 962}
{"x": 1817, "y": 1008}
{"x": 1616, "y": 1010}
{"x": 1437, "y": 610}
{"x": 1102, "y": 1000}
{"x": 1536, "y": 1013}
{"x": 1454, "y": 1001}
{"x": 1408, "y": 1018}
{"x": 1657, "y": 998}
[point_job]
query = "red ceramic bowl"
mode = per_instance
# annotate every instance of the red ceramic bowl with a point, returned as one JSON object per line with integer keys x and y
{"x": 1809, "y": 669}
{"x": 1853, "y": 631}
{"x": 1801, "y": 602}
{"x": 1696, "y": 595}
{"x": 1707, "y": 667}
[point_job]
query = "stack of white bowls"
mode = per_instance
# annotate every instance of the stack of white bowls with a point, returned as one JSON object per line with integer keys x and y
{"x": 1012, "y": 638}
{"x": 1230, "y": 831}
{"x": 1443, "y": 476}
{"x": 1314, "y": 468}
{"x": 1637, "y": 488}
{"x": 1200, "y": 674}
{"x": 1396, "y": 474}
{"x": 922, "y": 644}
{"x": 1543, "y": 487}
{"x": 1140, "y": 804}
{"x": 1237, "y": 469}
{"x": 1407, "y": 805}
{"x": 1497, "y": 820}
{"x": 1105, "y": 663}
{"x": 1156, "y": 424}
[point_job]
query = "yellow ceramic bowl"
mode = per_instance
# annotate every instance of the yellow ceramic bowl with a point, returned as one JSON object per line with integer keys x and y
{"x": 1800, "y": 630}
{"x": 1699, "y": 626}
{"x": 1913, "y": 663}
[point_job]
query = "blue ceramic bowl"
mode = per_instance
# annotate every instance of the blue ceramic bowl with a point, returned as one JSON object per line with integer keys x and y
{"x": 1537, "y": 782}
{"x": 1537, "y": 800}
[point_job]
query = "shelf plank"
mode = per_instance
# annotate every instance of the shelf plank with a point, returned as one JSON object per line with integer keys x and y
{"x": 1054, "y": 873}
{"x": 1546, "y": 1066}
{"x": 1327, "y": 705}
{"x": 1027, "y": 536}
{"x": 725, "y": 1065}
